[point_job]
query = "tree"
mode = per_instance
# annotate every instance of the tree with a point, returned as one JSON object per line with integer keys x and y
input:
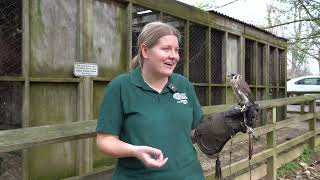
{"x": 299, "y": 21}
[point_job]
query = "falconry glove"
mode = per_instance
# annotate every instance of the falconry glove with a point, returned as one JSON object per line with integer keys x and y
{"x": 215, "y": 130}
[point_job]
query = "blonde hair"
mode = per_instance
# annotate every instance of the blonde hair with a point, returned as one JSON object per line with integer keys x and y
{"x": 149, "y": 36}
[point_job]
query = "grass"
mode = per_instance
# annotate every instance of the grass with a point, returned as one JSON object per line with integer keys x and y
{"x": 287, "y": 169}
{"x": 290, "y": 168}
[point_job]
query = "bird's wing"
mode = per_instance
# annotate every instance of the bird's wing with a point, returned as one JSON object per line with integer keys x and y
{"x": 242, "y": 91}
{"x": 245, "y": 89}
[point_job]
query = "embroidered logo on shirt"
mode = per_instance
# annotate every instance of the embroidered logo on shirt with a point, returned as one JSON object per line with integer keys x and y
{"x": 181, "y": 98}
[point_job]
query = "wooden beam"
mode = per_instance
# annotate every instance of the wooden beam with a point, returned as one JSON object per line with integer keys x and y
{"x": 11, "y": 140}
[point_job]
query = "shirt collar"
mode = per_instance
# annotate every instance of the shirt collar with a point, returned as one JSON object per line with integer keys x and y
{"x": 136, "y": 79}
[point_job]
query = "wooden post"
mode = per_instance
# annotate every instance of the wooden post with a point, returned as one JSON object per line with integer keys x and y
{"x": 302, "y": 111}
{"x": 312, "y": 125}
{"x": 129, "y": 35}
{"x": 26, "y": 92}
{"x": 186, "y": 50}
{"x": 85, "y": 54}
{"x": 271, "y": 143}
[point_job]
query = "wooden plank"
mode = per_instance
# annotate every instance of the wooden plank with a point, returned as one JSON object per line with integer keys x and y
{"x": 12, "y": 78}
{"x": 11, "y": 140}
{"x": 104, "y": 173}
{"x": 293, "y": 120}
{"x": 260, "y": 171}
{"x": 289, "y": 144}
{"x": 263, "y": 104}
{"x": 53, "y": 43}
{"x": 26, "y": 92}
{"x": 271, "y": 143}
{"x": 256, "y": 173}
{"x": 107, "y": 36}
{"x": 290, "y": 155}
{"x": 54, "y": 80}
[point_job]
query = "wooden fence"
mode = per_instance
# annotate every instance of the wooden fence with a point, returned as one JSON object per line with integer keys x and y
{"x": 11, "y": 140}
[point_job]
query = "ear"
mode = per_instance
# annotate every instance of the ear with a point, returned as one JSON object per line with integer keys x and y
{"x": 144, "y": 51}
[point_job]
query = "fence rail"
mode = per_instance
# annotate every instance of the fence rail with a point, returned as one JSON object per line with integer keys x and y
{"x": 11, "y": 140}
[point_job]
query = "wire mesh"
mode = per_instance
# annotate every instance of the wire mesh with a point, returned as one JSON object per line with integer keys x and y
{"x": 179, "y": 24}
{"x": 260, "y": 60}
{"x": 216, "y": 56}
{"x": 10, "y": 105}
{"x": 259, "y": 97}
{"x": 249, "y": 64}
{"x": 201, "y": 93}
{"x": 282, "y": 73}
{"x": 217, "y": 95}
{"x": 11, "y": 165}
{"x": 10, "y": 37}
{"x": 141, "y": 17}
{"x": 281, "y": 111}
{"x": 272, "y": 72}
{"x": 197, "y": 50}
{"x": 272, "y": 93}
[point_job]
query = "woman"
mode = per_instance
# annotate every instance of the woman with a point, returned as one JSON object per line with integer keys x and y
{"x": 148, "y": 114}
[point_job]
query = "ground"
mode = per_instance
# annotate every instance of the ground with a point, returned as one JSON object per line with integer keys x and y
{"x": 307, "y": 171}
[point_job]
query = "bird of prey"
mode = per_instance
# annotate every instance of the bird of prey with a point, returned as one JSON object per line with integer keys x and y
{"x": 242, "y": 91}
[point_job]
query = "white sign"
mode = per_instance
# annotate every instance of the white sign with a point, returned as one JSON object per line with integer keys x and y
{"x": 85, "y": 69}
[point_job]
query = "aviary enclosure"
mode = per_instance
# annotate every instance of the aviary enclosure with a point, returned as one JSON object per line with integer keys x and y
{"x": 40, "y": 40}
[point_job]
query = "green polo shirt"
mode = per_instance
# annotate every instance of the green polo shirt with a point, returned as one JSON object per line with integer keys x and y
{"x": 141, "y": 116}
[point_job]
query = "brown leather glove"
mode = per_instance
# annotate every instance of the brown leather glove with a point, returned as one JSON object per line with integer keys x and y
{"x": 215, "y": 130}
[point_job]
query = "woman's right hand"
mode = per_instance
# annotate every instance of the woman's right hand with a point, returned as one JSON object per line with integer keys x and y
{"x": 151, "y": 157}
{"x": 111, "y": 145}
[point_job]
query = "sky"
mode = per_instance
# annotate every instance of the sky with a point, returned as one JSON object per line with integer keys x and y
{"x": 250, "y": 11}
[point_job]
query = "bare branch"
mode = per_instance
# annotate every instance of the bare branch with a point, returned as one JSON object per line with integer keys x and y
{"x": 311, "y": 55}
{"x": 226, "y": 4}
{"x": 308, "y": 12}
{"x": 290, "y": 22}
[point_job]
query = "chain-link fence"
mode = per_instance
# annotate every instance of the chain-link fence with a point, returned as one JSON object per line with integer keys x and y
{"x": 141, "y": 17}
{"x": 216, "y": 57}
{"x": 10, "y": 37}
{"x": 179, "y": 24}
{"x": 197, "y": 51}
{"x": 272, "y": 72}
{"x": 260, "y": 70}
{"x": 249, "y": 65}
{"x": 282, "y": 73}
{"x": 202, "y": 95}
{"x": 217, "y": 95}
{"x": 10, "y": 105}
